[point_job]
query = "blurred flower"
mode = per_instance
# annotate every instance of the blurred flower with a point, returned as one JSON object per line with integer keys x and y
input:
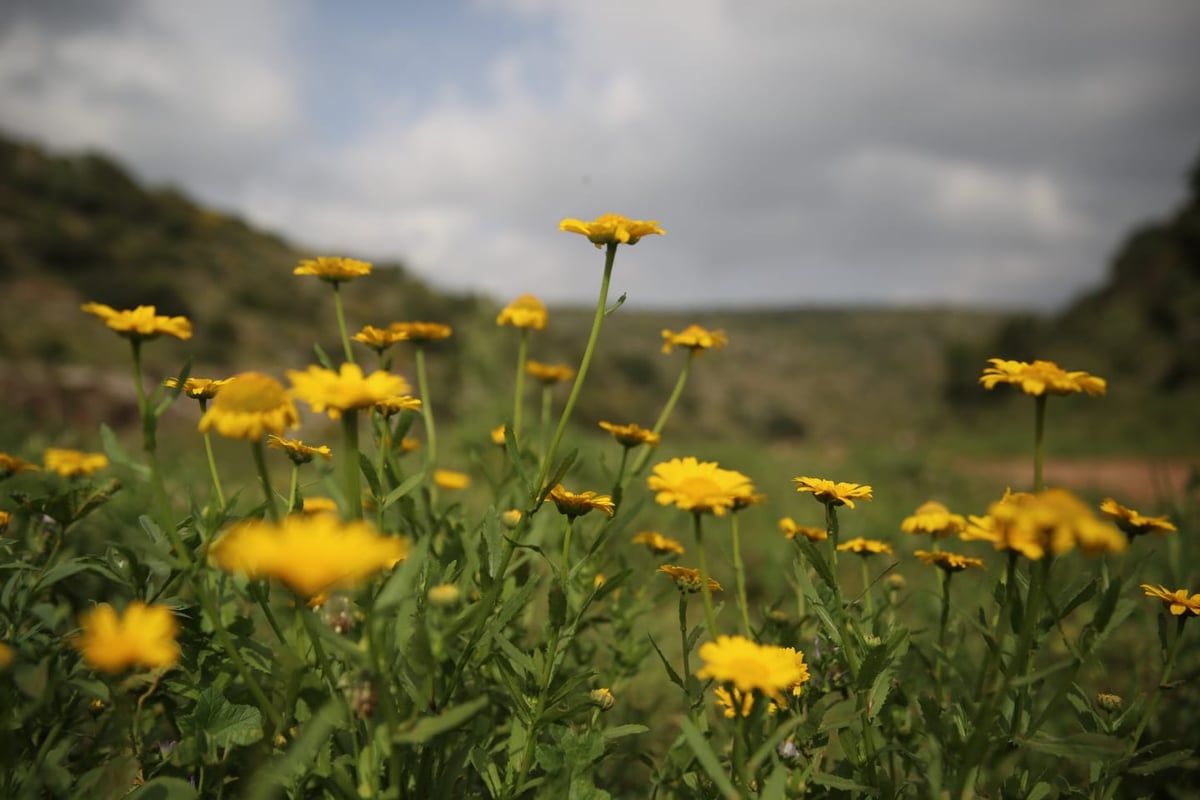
{"x": 345, "y": 390}
{"x": 746, "y": 666}
{"x": 1040, "y": 377}
{"x": 298, "y": 451}
{"x": 1133, "y": 523}
{"x": 1054, "y": 520}
{"x": 1177, "y": 602}
{"x": 378, "y": 339}
{"x": 951, "y": 562}
{"x": 611, "y": 229}
{"x": 1109, "y": 702}
{"x": 736, "y": 703}
{"x": 11, "y": 465}
{"x": 687, "y": 580}
{"x": 833, "y": 494}
{"x": 197, "y": 388}
{"x": 525, "y": 312}
{"x": 865, "y": 547}
{"x": 444, "y": 595}
{"x": 451, "y": 480}
{"x": 72, "y": 463}
{"x": 391, "y": 406}
{"x": 511, "y": 518}
{"x": 249, "y": 405}
{"x": 5, "y": 518}
{"x": 935, "y": 519}
{"x": 144, "y": 635}
{"x": 632, "y": 435}
{"x": 574, "y": 505}
{"x": 603, "y": 698}
{"x": 333, "y": 269}
{"x": 657, "y": 543}
{"x": 549, "y": 373}
{"x": 694, "y": 338}
{"x": 140, "y": 323}
{"x": 421, "y": 331}
{"x": 319, "y": 505}
{"x": 497, "y": 435}
{"x": 408, "y": 445}
{"x": 789, "y": 528}
{"x": 7, "y": 656}
{"x": 310, "y": 553}
{"x": 698, "y": 486}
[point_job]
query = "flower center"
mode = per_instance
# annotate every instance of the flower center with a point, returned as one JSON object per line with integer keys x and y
{"x": 699, "y": 487}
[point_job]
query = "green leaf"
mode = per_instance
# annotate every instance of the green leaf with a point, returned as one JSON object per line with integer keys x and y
{"x": 410, "y": 483}
{"x": 815, "y": 557}
{"x": 708, "y": 759}
{"x": 671, "y": 673}
{"x": 301, "y": 754}
{"x": 620, "y": 731}
{"x": 61, "y": 570}
{"x": 838, "y": 782}
{"x": 323, "y": 357}
{"x": 117, "y": 455}
{"x": 368, "y": 471}
{"x": 557, "y": 474}
{"x": 620, "y": 302}
{"x": 426, "y": 728}
{"x": 1088, "y": 746}
{"x": 514, "y": 457}
{"x": 164, "y": 789}
{"x": 219, "y": 723}
{"x": 1164, "y": 761}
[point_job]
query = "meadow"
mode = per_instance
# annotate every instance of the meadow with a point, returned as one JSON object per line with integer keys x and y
{"x": 593, "y": 554}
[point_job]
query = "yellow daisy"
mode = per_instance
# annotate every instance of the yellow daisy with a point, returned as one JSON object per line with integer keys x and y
{"x": 451, "y": 480}
{"x": 140, "y": 323}
{"x": 1134, "y": 523}
{"x": 333, "y": 269}
{"x": 390, "y": 406}
{"x": 11, "y": 465}
{"x": 421, "y": 331}
{"x": 73, "y": 463}
{"x": 1039, "y": 378}
{"x": 525, "y": 312}
{"x": 1177, "y": 602}
{"x": 549, "y": 373}
{"x": 345, "y": 390}
{"x": 694, "y": 338}
{"x": 632, "y": 435}
{"x": 789, "y": 528}
{"x": 611, "y": 229}
{"x": 687, "y": 580}
{"x": 378, "y": 339}
{"x": 298, "y": 451}
{"x": 833, "y": 494}
{"x": 698, "y": 486}
{"x": 951, "y": 562}
{"x": 657, "y": 543}
{"x": 746, "y": 666}
{"x": 248, "y": 406}
{"x": 143, "y": 636}
{"x": 935, "y": 519}
{"x": 197, "y": 388}
{"x": 573, "y": 505}
{"x": 865, "y": 547}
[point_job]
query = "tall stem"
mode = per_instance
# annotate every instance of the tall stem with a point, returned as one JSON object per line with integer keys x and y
{"x": 1039, "y": 431}
{"x": 350, "y": 463}
{"x": 740, "y": 573}
{"x": 710, "y": 619}
{"x": 683, "y": 644}
{"x": 212, "y": 470}
{"x": 149, "y": 444}
{"x": 426, "y": 411}
{"x": 341, "y": 321}
{"x": 666, "y": 412}
{"x": 260, "y": 462}
{"x": 566, "y": 553}
{"x": 519, "y": 383}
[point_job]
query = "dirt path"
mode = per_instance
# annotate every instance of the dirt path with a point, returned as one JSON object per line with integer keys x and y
{"x": 1150, "y": 482}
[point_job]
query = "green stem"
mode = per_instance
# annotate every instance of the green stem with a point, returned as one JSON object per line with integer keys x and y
{"x": 350, "y": 463}
{"x": 944, "y": 579}
{"x": 683, "y": 644}
{"x": 740, "y": 573}
{"x": 577, "y": 387}
{"x": 519, "y": 391}
{"x": 261, "y": 597}
{"x": 544, "y": 427}
{"x": 149, "y": 443}
{"x": 341, "y": 321}
{"x": 260, "y": 462}
{"x": 566, "y": 553}
{"x": 212, "y": 462}
{"x": 426, "y": 412}
{"x": 294, "y": 489}
{"x": 710, "y": 619}
{"x": 1039, "y": 578}
{"x": 866, "y": 582}
{"x": 667, "y": 410}
{"x": 1039, "y": 430}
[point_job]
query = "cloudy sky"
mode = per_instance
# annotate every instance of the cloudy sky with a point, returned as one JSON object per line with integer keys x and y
{"x": 795, "y": 151}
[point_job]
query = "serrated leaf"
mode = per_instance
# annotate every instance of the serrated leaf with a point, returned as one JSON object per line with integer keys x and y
{"x": 620, "y": 731}
{"x": 1088, "y": 746}
{"x": 222, "y": 724}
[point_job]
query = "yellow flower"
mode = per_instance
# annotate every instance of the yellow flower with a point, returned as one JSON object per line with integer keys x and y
{"x": 602, "y": 698}
{"x": 378, "y": 339}
{"x": 1134, "y": 523}
{"x": 611, "y": 229}
{"x": 573, "y": 505}
{"x": 143, "y": 636}
{"x": 833, "y": 494}
{"x": 632, "y": 435}
{"x": 333, "y": 269}
{"x": 408, "y": 445}
{"x": 548, "y": 373}
{"x": 249, "y": 405}
{"x": 451, "y": 480}
{"x": 687, "y": 580}
{"x": 5, "y": 518}
{"x": 444, "y": 595}
{"x": 698, "y": 486}
{"x": 345, "y": 390}
{"x": 694, "y": 338}
{"x": 298, "y": 451}
{"x": 524, "y": 312}
{"x": 1177, "y": 602}
{"x": 497, "y": 435}
{"x": 319, "y": 505}
{"x": 72, "y": 463}
{"x": 511, "y": 518}
{"x": 737, "y": 703}
{"x": 140, "y": 323}
{"x": 951, "y": 562}
{"x": 865, "y": 547}
{"x": 1040, "y": 377}
{"x": 935, "y": 519}
{"x": 311, "y": 553}
{"x": 11, "y": 465}
{"x": 657, "y": 543}
{"x": 197, "y": 388}
{"x": 6, "y": 656}
{"x": 789, "y": 528}
{"x": 421, "y": 331}
{"x": 1055, "y": 521}
{"x": 391, "y": 406}
{"x": 747, "y": 666}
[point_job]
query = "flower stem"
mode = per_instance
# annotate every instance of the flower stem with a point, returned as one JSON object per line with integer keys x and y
{"x": 609, "y": 257}
{"x": 260, "y": 462}
{"x": 710, "y": 619}
{"x": 566, "y": 553}
{"x": 350, "y": 463}
{"x": 519, "y": 383}
{"x": 341, "y": 321}
{"x": 661, "y": 423}
{"x": 683, "y": 643}
{"x": 294, "y": 489}
{"x": 149, "y": 444}
{"x": 1039, "y": 431}
{"x": 212, "y": 470}
{"x": 544, "y": 427}
{"x": 740, "y": 573}
{"x": 426, "y": 411}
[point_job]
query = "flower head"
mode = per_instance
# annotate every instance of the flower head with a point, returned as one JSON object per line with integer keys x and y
{"x": 789, "y": 528}
{"x": 298, "y": 451}
{"x": 698, "y": 486}
{"x": 935, "y": 519}
{"x": 657, "y": 543}
{"x": 7, "y": 656}
{"x": 833, "y": 494}
{"x": 525, "y": 312}
{"x": 602, "y": 698}
{"x": 444, "y": 595}
{"x": 611, "y": 229}
{"x": 391, "y": 406}
{"x": 549, "y": 374}
{"x": 143, "y": 636}
{"x": 865, "y": 547}
{"x": 5, "y": 518}
{"x": 746, "y": 666}
{"x": 1039, "y": 378}
{"x": 421, "y": 331}
{"x": 345, "y": 390}
{"x": 497, "y": 435}
{"x": 311, "y": 553}
{"x": 574, "y": 505}
{"x": 1050, "y": 521}
{"x": 333, "y": 269}
{"x": 11, "y": 465}
{"x": 73, "y": 463}
{"x": 249, "y": 405}
{"x": 1177, "y": 602}
{"x": 140, "y": 323}
{"x": 950, "y": 562}
{"x": 197, "y": 388}
{"x": 687, "y": 580}
{"x": 1134, "y": 523}
{"x": 632, "y": 435}
{"x": 378, "y": 339}
{"x": 451, "y": 480}
{"x": 694, "y": 338}
{"x": 319, "y": 505}
{"x": 736, "y": 703}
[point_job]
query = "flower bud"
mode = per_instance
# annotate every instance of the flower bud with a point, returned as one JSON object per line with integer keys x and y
{"x": 602, "y": 698}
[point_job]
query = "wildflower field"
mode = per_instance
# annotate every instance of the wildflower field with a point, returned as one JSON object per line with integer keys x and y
{"x": 367, "y": 602}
